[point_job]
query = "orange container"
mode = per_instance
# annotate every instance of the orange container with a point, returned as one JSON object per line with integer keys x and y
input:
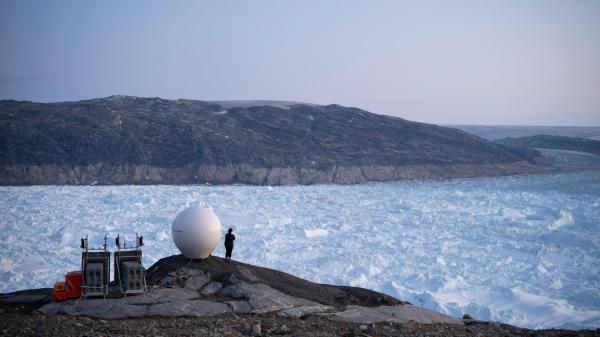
{"x": 58, "y": 291}
{"x": 73, "y": 279}
{"x": 59, "y": 287}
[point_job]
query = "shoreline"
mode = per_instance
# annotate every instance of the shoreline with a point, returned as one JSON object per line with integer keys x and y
{"x": 92, "y": 175}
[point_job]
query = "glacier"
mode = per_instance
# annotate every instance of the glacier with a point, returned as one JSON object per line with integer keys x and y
{"x": 523, "y": 250}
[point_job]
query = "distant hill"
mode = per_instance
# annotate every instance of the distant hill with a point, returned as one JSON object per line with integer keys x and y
{"x": 494, "y": 132}
{"x": 553, "y": 142}
{"x": 132, "y": 140}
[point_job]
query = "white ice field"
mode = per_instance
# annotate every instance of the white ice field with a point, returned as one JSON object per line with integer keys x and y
{"x": 523, "y": 250}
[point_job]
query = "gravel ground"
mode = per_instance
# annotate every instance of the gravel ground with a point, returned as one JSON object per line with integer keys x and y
{"x": 15, "y": 323}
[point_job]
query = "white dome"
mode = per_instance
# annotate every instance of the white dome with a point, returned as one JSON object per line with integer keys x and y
{"x": 196, "y": 232}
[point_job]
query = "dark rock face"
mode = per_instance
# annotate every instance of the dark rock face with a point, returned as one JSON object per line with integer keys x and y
{"x": 130, "y": 140}
{"x": 234, "y": 272}
{"x": 553, "y": 142}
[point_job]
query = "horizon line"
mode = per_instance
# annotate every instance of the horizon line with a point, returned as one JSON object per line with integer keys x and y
{"x": 300, "y": 102}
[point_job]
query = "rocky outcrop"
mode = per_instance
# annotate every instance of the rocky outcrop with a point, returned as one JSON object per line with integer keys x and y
{"x": 176, "y": 271}
{"x": 216, "y": 298}
{"x": 211, "y": 287}
{"x": 131, "y": 140}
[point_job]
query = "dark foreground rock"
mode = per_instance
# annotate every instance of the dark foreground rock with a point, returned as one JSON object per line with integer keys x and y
{"x": 181, "y": 287}
{"x": 132, "y": 140}
{"x": 216, "y": 298}
{"x": 234, "y": 272}
{"x": 17, "y": 324}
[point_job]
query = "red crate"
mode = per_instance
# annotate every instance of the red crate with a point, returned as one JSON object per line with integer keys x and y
{"x": 74, "y": 280}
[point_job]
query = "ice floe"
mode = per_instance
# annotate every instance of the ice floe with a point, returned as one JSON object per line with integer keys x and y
{"x": 523, "y": 250}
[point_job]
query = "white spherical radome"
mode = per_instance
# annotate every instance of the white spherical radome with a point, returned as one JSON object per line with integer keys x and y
{"x": 196, "y": 232}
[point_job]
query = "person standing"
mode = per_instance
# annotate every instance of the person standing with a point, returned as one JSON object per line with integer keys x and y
{"x": 229, "y": 238}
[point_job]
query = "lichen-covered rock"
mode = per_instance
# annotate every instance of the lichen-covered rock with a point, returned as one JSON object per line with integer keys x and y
{"x": 262, "y": 298}
{"x": 197, "y": 282}
{"x": 159, "y": 302}
{"x": 240, "y": 307}
{"x": 302, "y": 311}
{"x": 211, "y": 288}
{"x": 398, "y": 314}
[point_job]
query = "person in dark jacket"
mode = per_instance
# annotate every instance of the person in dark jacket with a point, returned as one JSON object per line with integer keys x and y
{"x": 229, "y": 238}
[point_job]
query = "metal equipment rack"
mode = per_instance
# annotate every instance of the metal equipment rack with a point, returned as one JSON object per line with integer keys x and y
{"x": 95, "y": 267}
{"x": 129, "y": 272}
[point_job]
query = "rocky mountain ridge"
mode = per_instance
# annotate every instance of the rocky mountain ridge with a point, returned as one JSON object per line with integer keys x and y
{"x": 132, "y": 140}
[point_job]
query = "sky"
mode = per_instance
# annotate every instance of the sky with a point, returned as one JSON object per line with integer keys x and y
{"x": 490, "y": 62}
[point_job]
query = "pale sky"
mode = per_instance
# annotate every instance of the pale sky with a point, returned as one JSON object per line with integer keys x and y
{"x": 446, "y": 62}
